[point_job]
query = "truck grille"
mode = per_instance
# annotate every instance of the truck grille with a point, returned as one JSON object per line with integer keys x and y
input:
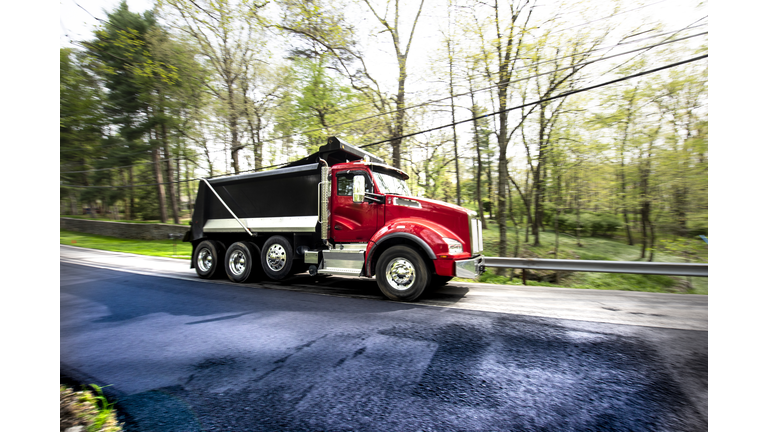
{"x": 476, "y": 235}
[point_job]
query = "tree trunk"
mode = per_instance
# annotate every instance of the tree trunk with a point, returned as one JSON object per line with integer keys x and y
{"x": 177, "y": 187}
{"x": 578, "y": 211}
{"x": 159, "y": 180}
{"x": 131, "y": 195}
{"x": 72, "y": 204}
{"x": 169, "y": 173}
{"x": 478, "y": 176}
{"x": 453, "y": 120}
{"x": 400, "y": 114}
{"x": 514, "y": 223}
{"x": 501, "y": 208}
{"x": 235, "y": 139}
{"x": 187, "y": 182}
{"x": 490, "y": 189}
{"x": 645, "y": 219}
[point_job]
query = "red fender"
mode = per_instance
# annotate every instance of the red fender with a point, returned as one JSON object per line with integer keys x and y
{"x": 425, "y": 233}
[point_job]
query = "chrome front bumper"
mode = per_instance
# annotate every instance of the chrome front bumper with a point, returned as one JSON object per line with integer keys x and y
{"x": 470, "y": 268}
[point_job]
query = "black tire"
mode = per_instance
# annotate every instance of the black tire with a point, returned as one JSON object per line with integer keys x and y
{"x": 241, "y": 262}
{"x": 206, "y": 259}
{"x": 277, "y": 258}
{"x": 402, "y": 274}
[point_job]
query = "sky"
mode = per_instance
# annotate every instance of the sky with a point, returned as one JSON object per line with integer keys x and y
{"x": 77, "y": 18}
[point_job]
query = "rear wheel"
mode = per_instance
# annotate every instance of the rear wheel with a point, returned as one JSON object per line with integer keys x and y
{"x": 402, "y": 274}
{"x": 277, "y": 257}
{"x": 206, "y": 259}
{"x": 241, "y": 262}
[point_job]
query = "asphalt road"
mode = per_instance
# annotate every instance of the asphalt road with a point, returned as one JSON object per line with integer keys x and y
{"x": 183, "y": 354}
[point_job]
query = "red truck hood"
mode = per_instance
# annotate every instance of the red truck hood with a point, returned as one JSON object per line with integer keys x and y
{"x": 451, "y": 219}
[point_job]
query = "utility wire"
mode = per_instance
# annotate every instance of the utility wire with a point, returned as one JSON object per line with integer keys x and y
{"x": 489, "y": 87}
{"x": 466, "y": 93}
{"x": 562, "y": 95}
{"x": 430, "y": 102}
{"x": 442, "y": 99}
{"x": 446, "y": 98}
{"x": 608, "y": 17}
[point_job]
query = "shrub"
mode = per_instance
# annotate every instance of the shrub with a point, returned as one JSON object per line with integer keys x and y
{"x": 88, "y": 409}
{"x": 566, "y": 223}
{"x": 698, "y": 228}
{"x": 610, "y": 223}
{"x": 603, "y": 224}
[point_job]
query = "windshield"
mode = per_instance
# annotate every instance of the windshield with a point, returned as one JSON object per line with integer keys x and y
{"x": 389, "y": 184}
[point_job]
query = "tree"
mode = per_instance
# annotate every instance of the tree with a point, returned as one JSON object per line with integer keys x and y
{"x": 81, "y": 121}
{"x": 228, "y": 37}
{"x": 121, "y": 48}
{"x": 500, "y": 56}
{"x": 401, "y": 53}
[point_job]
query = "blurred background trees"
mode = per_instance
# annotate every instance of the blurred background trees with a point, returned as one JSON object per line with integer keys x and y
{"x": 480, "y": 102}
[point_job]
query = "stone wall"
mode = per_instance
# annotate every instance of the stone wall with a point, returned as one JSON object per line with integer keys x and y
{"x": 140, "y": 231}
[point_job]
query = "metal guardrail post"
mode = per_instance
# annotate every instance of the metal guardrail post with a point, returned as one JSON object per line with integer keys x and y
{"x": 633, "y": 267}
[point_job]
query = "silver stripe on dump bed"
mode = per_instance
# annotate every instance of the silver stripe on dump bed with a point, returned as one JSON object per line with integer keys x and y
{"x": 267, "y": 224}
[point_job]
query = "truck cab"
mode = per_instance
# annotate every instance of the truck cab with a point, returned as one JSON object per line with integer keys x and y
{"x": 368, "y": 223}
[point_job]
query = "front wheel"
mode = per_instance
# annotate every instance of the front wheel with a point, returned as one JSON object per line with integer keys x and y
{"x": 402, "y": 274}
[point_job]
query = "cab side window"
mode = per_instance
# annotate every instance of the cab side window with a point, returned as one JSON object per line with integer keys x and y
{"x": 344, "y": 183}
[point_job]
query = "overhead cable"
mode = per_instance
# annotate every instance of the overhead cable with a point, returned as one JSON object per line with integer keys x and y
{"x": 562, "y": 95}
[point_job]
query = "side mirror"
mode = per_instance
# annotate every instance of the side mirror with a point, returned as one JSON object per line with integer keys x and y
{"x": 358, "y": 189}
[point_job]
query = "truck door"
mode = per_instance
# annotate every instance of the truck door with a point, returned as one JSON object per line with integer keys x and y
{"x": 352, "y": 222}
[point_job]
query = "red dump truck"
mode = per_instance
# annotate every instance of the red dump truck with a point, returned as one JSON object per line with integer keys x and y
{"x": 340, "y": 211}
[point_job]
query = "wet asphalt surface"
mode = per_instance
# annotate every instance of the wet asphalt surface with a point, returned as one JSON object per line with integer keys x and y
{"x": 186, "y": 355}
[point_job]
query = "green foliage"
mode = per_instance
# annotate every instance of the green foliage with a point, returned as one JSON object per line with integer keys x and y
{"x": 594, "y": 256}
{"x": 104, "y": 407}
{"x": 88, "y": 408}
{"x": 592, "y": 224}
{"x": 625, "y": 282}
{"x": 697, "y": 228}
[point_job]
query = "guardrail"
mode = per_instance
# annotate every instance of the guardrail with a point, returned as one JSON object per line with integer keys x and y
{"x": 657, "y": 268}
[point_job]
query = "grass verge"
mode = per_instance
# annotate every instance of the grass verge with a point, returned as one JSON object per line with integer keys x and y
{"x": 160, "y": 248}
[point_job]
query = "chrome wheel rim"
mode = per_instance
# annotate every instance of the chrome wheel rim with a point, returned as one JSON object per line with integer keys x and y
{"x": 237, "y": 262}
{"x": 204, "y": 260}
{"x": 276, "y": 257}
{"x": 401, "y": 274}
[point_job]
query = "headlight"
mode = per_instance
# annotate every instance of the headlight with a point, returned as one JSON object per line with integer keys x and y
{"x": 454, "y": 247}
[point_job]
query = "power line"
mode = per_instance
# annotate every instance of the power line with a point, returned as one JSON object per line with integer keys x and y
{"x": 490, "y": 87}
{"x": 449, "y": 97}
{"x": 562, "y": 95}
{"x": 608, "y": 17}
{"x": 458, "y": 95}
